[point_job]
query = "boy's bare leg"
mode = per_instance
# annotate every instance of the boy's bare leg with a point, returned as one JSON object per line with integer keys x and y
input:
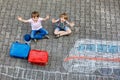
{"x": 56, "y": 32}
{"x": 65, "y": 32}
{"x": 62, "y": 33}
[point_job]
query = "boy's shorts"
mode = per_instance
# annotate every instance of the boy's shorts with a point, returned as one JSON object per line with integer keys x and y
{"x": 60, "y": 29}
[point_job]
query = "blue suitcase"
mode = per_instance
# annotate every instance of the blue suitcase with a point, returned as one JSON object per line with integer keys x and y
{"x": 20, "y": 50}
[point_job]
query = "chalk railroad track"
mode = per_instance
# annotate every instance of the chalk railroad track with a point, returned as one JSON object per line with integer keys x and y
{"x": 34, "y": 74}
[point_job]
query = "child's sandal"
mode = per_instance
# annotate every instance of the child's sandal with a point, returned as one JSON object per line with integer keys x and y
{"x": 57, "y": 36}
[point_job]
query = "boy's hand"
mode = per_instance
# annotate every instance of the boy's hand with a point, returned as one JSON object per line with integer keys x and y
{"x": 47, "y": 17}
{"x": 72, "y": 24}
{"x": 19, "y": 18}
{"x": 53, "y": 20}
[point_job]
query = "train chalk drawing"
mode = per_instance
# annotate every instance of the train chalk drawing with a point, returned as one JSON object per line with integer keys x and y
{"x": 88, "y": 56}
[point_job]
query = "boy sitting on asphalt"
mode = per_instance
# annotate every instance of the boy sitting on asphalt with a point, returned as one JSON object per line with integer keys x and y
{"x": 37, "y": 32}
{"x": 61, "y": 25}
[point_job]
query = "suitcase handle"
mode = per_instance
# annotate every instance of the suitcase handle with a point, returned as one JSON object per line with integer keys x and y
{"x": 26, "y": 43}
{"x": 18, "y": 42}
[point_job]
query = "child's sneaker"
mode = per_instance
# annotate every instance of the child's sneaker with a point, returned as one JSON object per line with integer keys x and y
{"x": 46, "y": 37}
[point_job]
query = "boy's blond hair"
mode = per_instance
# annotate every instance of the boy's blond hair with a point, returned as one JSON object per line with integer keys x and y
{"x": 64, "y": 15}
{"x": 34, "y": 14}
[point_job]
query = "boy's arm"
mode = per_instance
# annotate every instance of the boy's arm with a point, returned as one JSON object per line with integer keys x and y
{"x": 54, "y": 21}
{"x": 22, "y": 20}
{"x": 47, "y": 17}
{"x": 70, "y": 23}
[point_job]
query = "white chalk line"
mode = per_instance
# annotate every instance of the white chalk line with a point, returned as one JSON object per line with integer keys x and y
{"x": 43, "y": 72}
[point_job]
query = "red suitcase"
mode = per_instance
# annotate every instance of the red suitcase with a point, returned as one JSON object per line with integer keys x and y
{"x": 39, "y": 57}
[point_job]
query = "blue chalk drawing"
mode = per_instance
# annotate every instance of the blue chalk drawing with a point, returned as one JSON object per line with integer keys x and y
{"x": 90, "y": 47}
{"x": 102, "y": 48}
{"x": 87, "y": 51}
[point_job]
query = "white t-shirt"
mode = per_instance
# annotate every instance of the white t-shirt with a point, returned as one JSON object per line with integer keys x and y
{"x": 35, "y": 25}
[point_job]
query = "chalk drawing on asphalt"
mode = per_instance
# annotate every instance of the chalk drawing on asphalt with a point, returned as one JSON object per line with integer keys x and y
{"x": 88, "y": 56}
{"x": 35, "y": 74}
